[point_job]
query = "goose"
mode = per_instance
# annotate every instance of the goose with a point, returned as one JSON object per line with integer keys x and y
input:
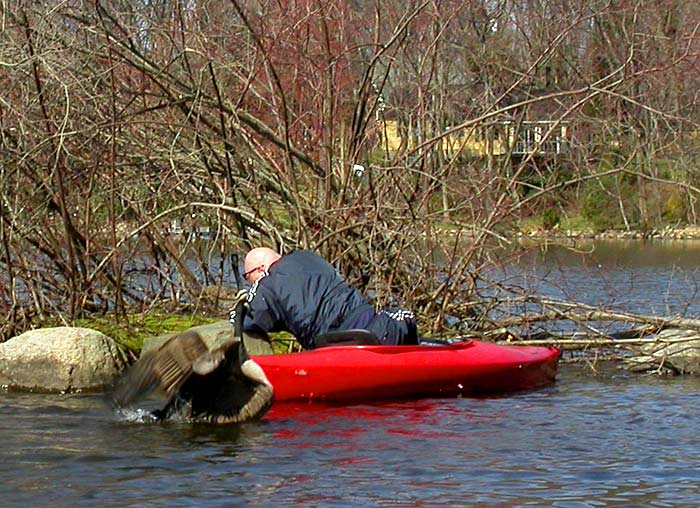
{"x": 223, "y": 385}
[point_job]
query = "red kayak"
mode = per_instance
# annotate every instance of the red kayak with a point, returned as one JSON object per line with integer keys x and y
{"x": 359, "y": 373}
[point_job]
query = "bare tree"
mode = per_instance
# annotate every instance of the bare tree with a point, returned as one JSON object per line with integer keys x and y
{"x": 130, "y": 129}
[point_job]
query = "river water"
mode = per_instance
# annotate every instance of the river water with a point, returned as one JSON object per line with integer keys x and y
{"x": 610, "y": 439}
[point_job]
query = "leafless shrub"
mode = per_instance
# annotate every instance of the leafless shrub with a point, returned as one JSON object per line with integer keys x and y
{"x": 125, "y": 126}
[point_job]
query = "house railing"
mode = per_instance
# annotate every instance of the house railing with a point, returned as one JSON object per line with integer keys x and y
{"x": 539, "y": 137}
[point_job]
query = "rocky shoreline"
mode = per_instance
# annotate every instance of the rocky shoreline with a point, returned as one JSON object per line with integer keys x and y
{"x": 665, "y": 233}
{"x": 68, "y": 360}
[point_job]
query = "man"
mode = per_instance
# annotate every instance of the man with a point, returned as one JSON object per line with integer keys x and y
{"x": 303, "y": 294}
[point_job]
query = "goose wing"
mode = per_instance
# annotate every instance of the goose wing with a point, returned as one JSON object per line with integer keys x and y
{"x": 222, "y": 385}
{"x": 166, "y": 369}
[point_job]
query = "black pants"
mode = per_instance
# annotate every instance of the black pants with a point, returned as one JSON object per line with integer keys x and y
{"x": 394, "y": 326}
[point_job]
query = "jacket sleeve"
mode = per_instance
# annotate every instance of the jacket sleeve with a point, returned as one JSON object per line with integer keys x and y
{"x": 263, "y": 315}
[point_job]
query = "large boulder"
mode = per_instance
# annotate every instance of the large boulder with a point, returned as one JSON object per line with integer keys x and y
{"x": 214, "y": 335}
{"x": 61, "y": 359}
{"x": 675, "y": 351}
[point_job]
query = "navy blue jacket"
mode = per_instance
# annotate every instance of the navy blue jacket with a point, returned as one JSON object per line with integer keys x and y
{"x": 303, "y": 294}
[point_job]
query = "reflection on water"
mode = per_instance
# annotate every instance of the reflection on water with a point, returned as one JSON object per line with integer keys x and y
{"x": 657, "y": 277}
{"x": 625, "y": 254}
{"x": 612, "y": 440}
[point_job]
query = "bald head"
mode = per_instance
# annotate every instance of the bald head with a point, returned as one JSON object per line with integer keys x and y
{"x": 259, "y": 260}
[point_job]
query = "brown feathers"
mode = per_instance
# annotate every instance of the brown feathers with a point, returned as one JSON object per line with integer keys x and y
{"x": 220, "y": 386}
{"x": 165, "y": 369}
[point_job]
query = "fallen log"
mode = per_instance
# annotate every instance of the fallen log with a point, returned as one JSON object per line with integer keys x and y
{"x": 559, "y": 310}
{"x": 662, "y": 344}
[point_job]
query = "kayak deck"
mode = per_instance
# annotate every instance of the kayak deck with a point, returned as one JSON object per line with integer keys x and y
{"x": 356, "y": 373}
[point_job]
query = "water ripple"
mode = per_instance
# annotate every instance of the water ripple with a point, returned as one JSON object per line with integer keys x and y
{"x": 589, "y": 441}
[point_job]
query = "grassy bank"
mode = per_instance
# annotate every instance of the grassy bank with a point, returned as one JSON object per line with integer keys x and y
{"x": 137, "y": 327}
{"x": 132, "y": 334}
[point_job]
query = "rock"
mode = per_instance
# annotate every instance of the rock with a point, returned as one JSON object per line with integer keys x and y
{"x": 61, "y": 359}
{"x": 214, "y": 335}
{"x": 674, "y": 352}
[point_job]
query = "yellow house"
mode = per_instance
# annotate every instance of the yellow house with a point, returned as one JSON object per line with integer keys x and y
{"x": 500, "y": 138}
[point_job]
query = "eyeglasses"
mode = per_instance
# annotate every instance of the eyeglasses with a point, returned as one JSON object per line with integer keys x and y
{"x": 252, "y": 270}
